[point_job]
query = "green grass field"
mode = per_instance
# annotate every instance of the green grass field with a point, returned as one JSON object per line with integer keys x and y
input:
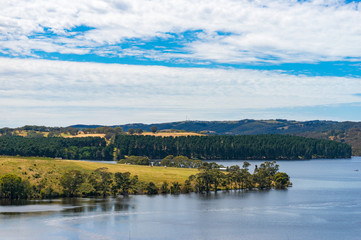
{"x": 48, "y": 171}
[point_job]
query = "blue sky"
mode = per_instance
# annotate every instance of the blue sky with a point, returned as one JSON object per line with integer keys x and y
{"x": 114, "y": 62}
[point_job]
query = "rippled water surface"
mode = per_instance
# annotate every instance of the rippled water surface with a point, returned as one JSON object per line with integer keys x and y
{"x": 324, "y": 203}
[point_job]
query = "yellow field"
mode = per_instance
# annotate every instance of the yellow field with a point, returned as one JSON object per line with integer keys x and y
{"x": 48, "y": 171}
{"x": 25, "y": 133}
{"x": 171, "y": 134}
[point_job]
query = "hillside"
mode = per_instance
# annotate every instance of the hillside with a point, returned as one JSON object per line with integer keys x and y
{"x": 49, "y": 171}
{"x": 244, "y": 127}
{"x": 348, "y": 132}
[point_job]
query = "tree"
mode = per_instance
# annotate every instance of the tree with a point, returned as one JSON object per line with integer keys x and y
{"x": 101, "y": 180}
{"x": 175, "y": 188}
{"x": 167, "y": 161}
{"x": 118, "y": 130}
{"x": 152, "y": 189}
{"x": 153, "y": 129}
{"x": 246, "y": 176}
{"x": 72, "y": 131}
{"x": 281, "y": 180}
{"x": 264, "y": 174}
{"x": 217, "y": 178}
{"x": 123, "y": 182}
{"x": 210, "y": 174}
{"x": 71, "y": 181}
{"x": 235, "y": 175}
{"x": 187, "y": 187}
{"x": 138, "y": 131}
{"x": 13, "y": 187}
{"x": 164, "y": 188}
{"x": 131, "y": 131}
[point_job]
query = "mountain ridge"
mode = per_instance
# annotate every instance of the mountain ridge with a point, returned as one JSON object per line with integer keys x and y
{"x": 242, "y": 127}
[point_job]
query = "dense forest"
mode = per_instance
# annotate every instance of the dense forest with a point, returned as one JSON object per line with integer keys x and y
{"x": 231, "y": 147}
{"x": 246, "y": 147}
{"x": 56, "y": 147}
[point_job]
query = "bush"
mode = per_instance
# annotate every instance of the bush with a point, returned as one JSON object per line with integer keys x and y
{"x": 281, "y": 180}
{"x": 175, "y": 188}
{"x": 152, "y": 189}
{"x": 164, "y": 188}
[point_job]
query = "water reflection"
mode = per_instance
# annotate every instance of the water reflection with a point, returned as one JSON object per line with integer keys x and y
{"x": 13, "y": 202}
{"x": 69, "y": 205}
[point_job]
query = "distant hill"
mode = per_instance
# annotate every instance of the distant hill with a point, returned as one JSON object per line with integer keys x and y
{"x": 348, "y": 132}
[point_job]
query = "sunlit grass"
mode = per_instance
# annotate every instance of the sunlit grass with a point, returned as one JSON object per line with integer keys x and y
{"x": 47, "y": 171}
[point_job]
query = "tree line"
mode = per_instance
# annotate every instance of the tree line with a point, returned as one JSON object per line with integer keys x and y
{"x": 168, "y": 161}
{"x": 264, "y": 177}
{"x": 248, "y": 147}
{"x": 38, "y": 130}
{"x": 75, "y": 183}
{"x": 245, "y": 147}
{"x": 43, "y": 131}
{"x": 56, "y": 147}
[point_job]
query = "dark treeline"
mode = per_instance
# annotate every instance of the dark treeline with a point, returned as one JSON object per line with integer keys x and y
{"x": 230, "y": 147}
{"x": 53, "y": 131}
{"x": 195, "y": 147}
{"x": 179, "y": 162}
{"x": 75, "y": 183}
{"x": 135, "y": 160}
{"x": 168, "y": 161}
{"x": 55, "y": 147}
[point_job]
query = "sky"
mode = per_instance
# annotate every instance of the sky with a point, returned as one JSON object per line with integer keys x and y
{"x": 115, "y": 62}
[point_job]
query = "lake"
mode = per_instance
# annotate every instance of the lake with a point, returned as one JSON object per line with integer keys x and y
{"x": 324, "y": 203}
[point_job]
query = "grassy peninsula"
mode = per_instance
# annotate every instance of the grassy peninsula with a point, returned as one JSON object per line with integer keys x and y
{"x": 48, "y": 171}
{"x": 48, "y": 178}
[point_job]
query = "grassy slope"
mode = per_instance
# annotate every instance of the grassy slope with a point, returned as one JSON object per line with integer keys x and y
{"x": 49, "y": 170}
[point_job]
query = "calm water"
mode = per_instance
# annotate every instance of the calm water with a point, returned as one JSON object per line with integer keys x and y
{"x": 324, "y": 203}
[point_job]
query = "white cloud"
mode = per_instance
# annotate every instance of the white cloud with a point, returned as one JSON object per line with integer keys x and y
{"x": 289, "y": 31}
{"x": 72, "y": 92}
